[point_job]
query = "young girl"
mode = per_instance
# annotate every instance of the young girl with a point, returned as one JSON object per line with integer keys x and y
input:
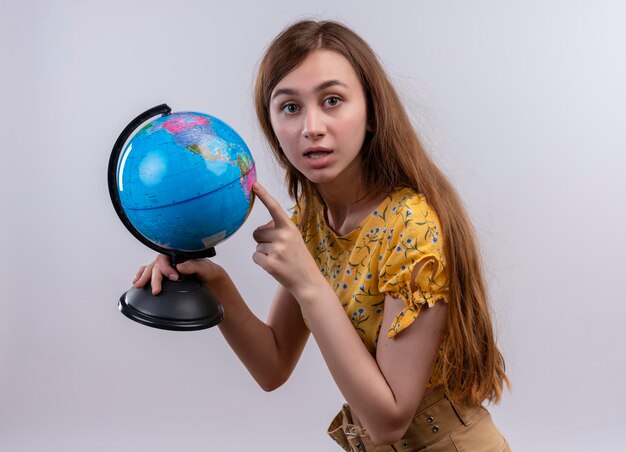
{"x": 379, "y": 260}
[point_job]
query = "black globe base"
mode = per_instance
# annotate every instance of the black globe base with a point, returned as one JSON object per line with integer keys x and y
{"x": 184, "y": 305}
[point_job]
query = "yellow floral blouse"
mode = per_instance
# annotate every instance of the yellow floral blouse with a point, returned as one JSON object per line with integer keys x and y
{"x": 378, "y": 257}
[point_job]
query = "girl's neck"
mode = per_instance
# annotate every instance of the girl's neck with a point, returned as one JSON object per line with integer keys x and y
{"x": 348, "y": 205}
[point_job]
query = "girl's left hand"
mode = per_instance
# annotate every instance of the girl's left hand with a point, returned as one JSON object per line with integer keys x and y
{"x": 281, "y": 251}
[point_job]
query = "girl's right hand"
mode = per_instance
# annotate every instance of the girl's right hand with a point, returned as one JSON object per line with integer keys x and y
{"x": 204, "y": 269}
{"x": 153, "y": 273}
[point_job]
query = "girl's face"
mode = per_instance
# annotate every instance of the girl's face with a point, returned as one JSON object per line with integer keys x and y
{"x": 319, "y": 115}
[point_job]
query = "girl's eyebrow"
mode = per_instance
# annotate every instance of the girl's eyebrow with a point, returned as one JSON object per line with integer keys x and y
{"x": 320, "y": 87}
{"x": 330, "y": 83}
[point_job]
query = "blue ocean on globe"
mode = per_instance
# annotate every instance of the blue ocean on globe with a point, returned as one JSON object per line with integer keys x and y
{"x": 185, "y": 181}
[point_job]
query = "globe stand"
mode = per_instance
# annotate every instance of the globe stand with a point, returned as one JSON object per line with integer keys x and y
{"x": 182, "y": 305}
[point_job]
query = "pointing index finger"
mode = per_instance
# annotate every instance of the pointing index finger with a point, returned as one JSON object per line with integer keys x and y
{"x": 273, "y": 207}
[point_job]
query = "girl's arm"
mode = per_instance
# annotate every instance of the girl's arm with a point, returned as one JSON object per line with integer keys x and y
{"x": 269, "y": 350}
{"x": 385, "y": 391}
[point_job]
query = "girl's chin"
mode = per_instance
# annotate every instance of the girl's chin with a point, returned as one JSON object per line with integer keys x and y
{"x": 315, "y": 176}
{"x": 326, "y": 180}
{"x": 320, "y": 180}
{"x": 329, "y": 177}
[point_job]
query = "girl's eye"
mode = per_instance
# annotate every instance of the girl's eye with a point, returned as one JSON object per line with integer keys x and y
{"x": 332, "y": 101}
{"x": 290, "y": 108}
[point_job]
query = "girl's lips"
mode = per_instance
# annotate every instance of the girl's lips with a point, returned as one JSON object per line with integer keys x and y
{"x": 316, "y": 159}
{"x": 315, "y": 151}
{"x": 316, "y": 154}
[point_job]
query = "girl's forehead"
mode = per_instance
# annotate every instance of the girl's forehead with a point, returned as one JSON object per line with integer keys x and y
{"x": 317, "y": 68}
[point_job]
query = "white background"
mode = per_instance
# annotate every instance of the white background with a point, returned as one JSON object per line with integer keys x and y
{"x": 523, "y": 104}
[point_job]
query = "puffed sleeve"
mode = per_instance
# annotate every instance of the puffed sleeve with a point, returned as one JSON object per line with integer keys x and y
{"x": 413, "y": 240}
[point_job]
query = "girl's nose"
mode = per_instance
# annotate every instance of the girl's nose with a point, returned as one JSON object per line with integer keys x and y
{"x": 313, "y": 127}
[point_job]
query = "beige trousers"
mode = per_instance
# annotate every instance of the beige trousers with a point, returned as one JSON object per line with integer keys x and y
{"x": 439, "y": 425}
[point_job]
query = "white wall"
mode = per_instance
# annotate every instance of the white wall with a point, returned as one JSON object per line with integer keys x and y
{"x": 522, "y": 103}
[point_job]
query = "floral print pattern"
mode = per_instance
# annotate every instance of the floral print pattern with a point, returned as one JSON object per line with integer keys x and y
{"x": 378, "y": 258}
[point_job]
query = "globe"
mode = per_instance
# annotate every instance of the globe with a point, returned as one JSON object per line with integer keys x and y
{"x": 185, "y": 182}
{"x": 181, "y": 184}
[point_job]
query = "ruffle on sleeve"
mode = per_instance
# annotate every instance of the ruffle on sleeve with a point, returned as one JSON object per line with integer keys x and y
{"x": 430, "y": 286}
{"x": 418, "y": 245}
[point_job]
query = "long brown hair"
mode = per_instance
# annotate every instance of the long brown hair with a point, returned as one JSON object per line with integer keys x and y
{"x": 471, "y": 366}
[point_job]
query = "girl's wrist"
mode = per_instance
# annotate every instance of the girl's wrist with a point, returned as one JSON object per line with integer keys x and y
{"x": 312, "y": 291}
{"x": 220, "y": 282}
